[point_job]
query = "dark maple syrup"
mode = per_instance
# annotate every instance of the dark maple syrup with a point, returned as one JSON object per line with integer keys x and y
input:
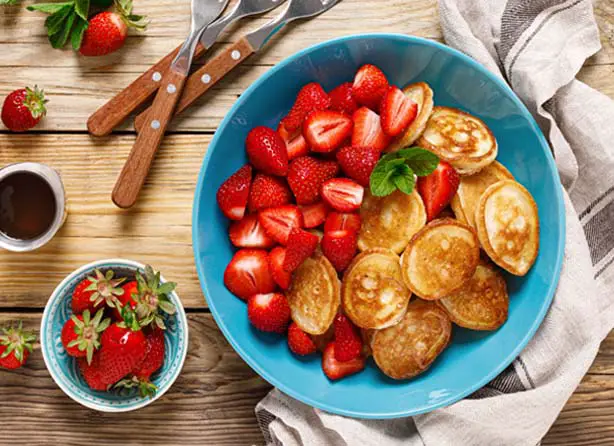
{"x": 27, "y": 206}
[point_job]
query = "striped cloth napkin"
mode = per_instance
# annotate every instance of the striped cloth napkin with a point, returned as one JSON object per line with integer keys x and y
{"x": 538, "y": 47}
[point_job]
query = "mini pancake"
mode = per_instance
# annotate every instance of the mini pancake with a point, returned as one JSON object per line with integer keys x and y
{"x": 480, "y": 304}
{"x": 508, "y": 226}
{"x": 314, "y": 295}
{"x": 460, "y": 139}
{"x": 322, "y": 340}
{"x": 410, "y": 347}
{"x": 390, "y": 222}
{"x": 471, "y": 188}
{"x": 367, "y": 336}
{"x": 373, "y": 292}
{"x": 422, "y": 95}
{"x": 440, "y": 258}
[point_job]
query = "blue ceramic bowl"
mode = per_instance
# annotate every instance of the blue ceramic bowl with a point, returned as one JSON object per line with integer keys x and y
{"x": 473, "y": 358}
{"x": 64, "y": 369}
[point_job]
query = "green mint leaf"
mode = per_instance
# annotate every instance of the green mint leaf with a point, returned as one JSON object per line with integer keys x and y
{"x": 82, "y": 8}
{"x": 405, "y": 182}
{"x": 102, "y": 3}
{"x": 381, "y": 182}
{"x": 76, "y": 37}
{"x": 421, "y": 161}
{"x": 57, "y": 21}
{"x": 8, "y": 2}
{"x": 49, "y": 8}
{"x": 58, "y": 40}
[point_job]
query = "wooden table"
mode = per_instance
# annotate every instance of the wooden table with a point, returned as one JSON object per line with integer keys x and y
{"x": 213, "y": 400}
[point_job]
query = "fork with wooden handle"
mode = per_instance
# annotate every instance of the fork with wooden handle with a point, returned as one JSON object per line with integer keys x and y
{"x": 203, "y": 79}
{"x": 116, "y": 110}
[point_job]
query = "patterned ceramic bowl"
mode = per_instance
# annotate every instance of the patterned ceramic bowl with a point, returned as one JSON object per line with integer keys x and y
{"x": 64, "y": 369}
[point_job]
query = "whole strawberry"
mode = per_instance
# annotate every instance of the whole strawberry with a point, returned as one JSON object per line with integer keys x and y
{"x": 152, "y": 299}
{"x": 81, "y": 333}
{"x": 306, "y": 176}
{"x": 300, "y": 342}
{"x": 269, "y": 312}
{"x": 267, "y": 151}
{"x": 268, "y": 191}
{"x": 131, "y": 291}
{"x": 15, "y": 346}
{"x": 94, "y": 374}
{"x": 312, "y": 97}
{"x": 107, "y": 31}
{"x": 94, "y": 292}
{"x": 358, "y": 162}
{"x": 23, "y": 109}
{"x": 153, "y": 361}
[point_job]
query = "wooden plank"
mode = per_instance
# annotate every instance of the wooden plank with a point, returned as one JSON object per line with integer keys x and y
{"x": 157, "y": 230}
{"x": 211, "y": 403}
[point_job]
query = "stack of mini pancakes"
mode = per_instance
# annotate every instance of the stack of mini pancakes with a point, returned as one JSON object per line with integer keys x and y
{"x": 451, "y": 264}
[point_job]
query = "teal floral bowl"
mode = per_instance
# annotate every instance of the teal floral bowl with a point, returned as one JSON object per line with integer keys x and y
{"x": 64, "y": 369}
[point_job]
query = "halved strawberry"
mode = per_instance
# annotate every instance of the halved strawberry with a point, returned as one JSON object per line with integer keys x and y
{"x": 267, "y": 151}
{"x": 314, "y": 214}
{"x": 438, "y": 188}
{"x": 368, "y": 130}
{"x": 279, "y": 221}
{"x": 370, "y": 85}
{"x": 306, "y": 176}
{"x": 326, "y": 130}
{"x": 342, "y": 194}
{"x": 296, "y": 144}
{"x": 339, "y": 247}
{"x": 342, "y": 100}
{"x": 269, "y": 312}
{"x": 249, "y": 233}
{"x": 348, "y": 342}
{"x": 268, "y": 191}
{"x": 312, "y": 97}
{"x": 334, "y": 369}
{"x": 397, "y": 111}
{"x": 248, "y": 273}
{"x": 358, "y": 162}
{"x": 301, "y": 244}
{"x": 338, "y": 221}
{"x": 300, "y": 342}
{"x": 233, "y": 194}
{"x": 276, "y": 261}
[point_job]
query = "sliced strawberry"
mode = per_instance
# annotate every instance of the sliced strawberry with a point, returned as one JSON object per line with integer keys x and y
{"x": 342, "y": 100}
{"x": 296, "y": 144}
{"x": 312, "y": 97}
{"x": 248, "y": 273}
{"x": 326, "y": 130}
{"x": 370, "y": 85}
{"x": 342, "y": 194}
{"x": 306, "y": 176}
{"x": 368, "y": 130}
{"x": 268, "y": 191}
{"x": 276, "y": 261}
{"x": 348, "y": 342}
{"x": 300, "y": 342}
{"x": 301, "y": 244}
{"x": 267, "y": 151}
{"x": 334, "y": 369}
{"x": 337, "y": 221}
{"x": 269, "y": 312}
{"x": 358, "y": 162}
{"x": 249, "y": 233}
{"x": 397, "y": 111}
{"x": 279, "y": 221}
{"x": 233, "y": 194}
{"x": 314, "y": 214}
{"x": 340, "y": 248}
{"x": 438, "y": 189}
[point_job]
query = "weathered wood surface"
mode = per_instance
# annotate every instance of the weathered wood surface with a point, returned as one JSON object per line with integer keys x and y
{"x": 213, "y": 400}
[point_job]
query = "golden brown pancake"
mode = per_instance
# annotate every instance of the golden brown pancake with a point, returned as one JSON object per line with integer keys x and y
{"x": 460, "y": 139}
{"x": 422, "y": 95}
{"x": 373, "y": 293}
{"x": 390, "y": 222}
{"x": 471, "y": 188}
{"x": 322, "y": 340}
{"x": 367, "y": 336}
{"x": 508, "y": 226}
{"x": 440, "y": 258}
{"x": 314, "y": 295}
{"x": 410, "y": 347}
{"x": 481, "y": 303}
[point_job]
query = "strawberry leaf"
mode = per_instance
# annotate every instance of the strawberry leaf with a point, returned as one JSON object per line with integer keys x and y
{"x": 76, "y": 36}
{"x": 59, "y": 39}
{"x": 8, "y": 2}
{"x": 82, "y": 8}
{"x": 56, "y": 21}
{"x": 49, "y": 8}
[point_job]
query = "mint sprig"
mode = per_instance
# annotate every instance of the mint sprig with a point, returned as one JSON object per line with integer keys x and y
{"x": 398, "y": 170}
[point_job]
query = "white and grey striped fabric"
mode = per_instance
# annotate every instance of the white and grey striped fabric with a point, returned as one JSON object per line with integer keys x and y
{"x": 538, "y": 47}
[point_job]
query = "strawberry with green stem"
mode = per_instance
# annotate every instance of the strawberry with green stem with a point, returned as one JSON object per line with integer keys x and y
{"x": 23, "y": 109}
{"x": 95, "y": 291}
{"x": 152, "y": 299}
{"x": 15, "y": 346}
{"x": 81, "y": 333}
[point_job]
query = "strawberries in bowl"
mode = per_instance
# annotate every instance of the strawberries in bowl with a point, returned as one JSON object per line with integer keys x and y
{"x": 123, "y": 350}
